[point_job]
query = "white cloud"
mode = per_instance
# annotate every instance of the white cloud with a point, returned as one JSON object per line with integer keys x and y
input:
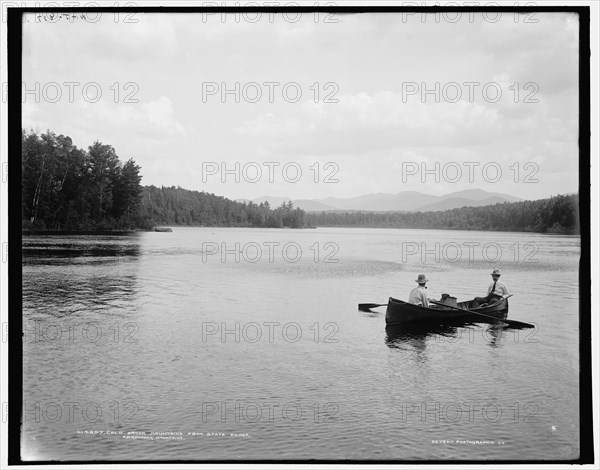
{"x": 370, "y": 129}
{"x": 362, "y": 122}
{"x": 160, "y": 114}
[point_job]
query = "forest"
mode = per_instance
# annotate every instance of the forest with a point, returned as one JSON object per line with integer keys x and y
{"x": 178, "y": 206}
{"x": 66, "y": 188}
{"x": 557, "y": 214}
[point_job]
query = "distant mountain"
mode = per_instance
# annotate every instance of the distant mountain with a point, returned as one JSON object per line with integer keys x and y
{"x": 480, "y": 195}
{"x": 406, "y": 201}
{"x": 312, "y": 206}
{"x": 458, "y": 202}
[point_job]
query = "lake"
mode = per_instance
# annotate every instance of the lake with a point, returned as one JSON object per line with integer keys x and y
{"x": 232, "y": 343}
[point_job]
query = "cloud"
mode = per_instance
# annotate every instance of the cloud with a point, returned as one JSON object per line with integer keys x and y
{"x": 362, "y": 122}
{"x": 113, "y": 37}
{"x": 152, "y": 119}
{"x": 131, "y": 128}
{"x": 369, "y": 58}
{"x": 160, "y": 114}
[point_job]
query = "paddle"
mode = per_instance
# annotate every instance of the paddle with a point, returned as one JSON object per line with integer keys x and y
{"x": 366, "y": 307}
{"x": 513, "y": 323}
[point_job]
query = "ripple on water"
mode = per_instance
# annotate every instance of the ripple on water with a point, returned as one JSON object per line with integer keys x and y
{"x": 353, "y": 392}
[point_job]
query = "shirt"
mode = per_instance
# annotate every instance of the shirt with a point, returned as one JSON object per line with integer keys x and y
{"x": 501, "y": 290}
{"x": 418, "y": 296}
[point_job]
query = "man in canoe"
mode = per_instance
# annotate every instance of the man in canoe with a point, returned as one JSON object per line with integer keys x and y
{"x": 496, "y": 291}
{"x": 418, "y": 295}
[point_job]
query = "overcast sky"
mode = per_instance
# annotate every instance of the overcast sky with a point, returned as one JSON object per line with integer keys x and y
{"x": 371, "y": 122}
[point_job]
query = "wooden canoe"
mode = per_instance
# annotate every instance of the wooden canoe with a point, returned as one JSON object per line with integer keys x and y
{"x": 400, "y": 312}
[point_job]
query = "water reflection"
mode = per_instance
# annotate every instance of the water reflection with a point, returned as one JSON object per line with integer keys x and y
{"x": 54, "y": 250}
{"x": 169, "y": 294}
{"x": 418, "y": 335}
{"x": 62, "y": 278}
{"x": 494, "y": 333}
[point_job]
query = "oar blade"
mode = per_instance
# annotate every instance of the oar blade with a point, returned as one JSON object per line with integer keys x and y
{"x": 367, "y": 307}
{"x": 519, "y": 325}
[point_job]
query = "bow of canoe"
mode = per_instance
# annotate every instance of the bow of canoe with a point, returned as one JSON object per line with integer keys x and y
{"x": 401, "y": 312}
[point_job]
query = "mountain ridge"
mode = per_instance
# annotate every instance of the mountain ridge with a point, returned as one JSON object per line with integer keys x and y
{"x": 404, "y": 201}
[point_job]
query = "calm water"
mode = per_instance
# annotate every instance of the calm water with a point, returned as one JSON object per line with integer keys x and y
{"x": 267, "y": 356}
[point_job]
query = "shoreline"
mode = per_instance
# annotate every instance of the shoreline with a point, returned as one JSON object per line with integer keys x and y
{"x": 167, "y": 230}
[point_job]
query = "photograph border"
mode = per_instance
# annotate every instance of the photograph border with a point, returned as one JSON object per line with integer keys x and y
{"x": 15, "y": 284}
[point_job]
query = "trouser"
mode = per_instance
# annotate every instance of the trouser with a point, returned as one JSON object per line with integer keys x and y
{"x": 490, "y": 298}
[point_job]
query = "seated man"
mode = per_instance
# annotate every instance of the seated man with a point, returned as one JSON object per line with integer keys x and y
{"x": 418, "y": 295}
{"x": 496, "y": 291}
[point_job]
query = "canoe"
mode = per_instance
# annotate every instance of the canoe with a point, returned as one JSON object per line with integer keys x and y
{"x": 400, "y": 312}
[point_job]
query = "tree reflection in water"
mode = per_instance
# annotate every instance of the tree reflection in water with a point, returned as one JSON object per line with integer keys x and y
{"x": 79, "y": 276}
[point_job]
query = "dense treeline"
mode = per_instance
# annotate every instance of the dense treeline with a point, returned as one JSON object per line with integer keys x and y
{"x": 65, "y": 188}
{"x": 68, "y": 188}
{"x": 557, "y": 214}
{"x": 178, "y": 206}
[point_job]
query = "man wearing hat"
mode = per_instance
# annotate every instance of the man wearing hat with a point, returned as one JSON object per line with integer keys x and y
{"x": 418, "y": 295}
{"x": 496, "y": 291}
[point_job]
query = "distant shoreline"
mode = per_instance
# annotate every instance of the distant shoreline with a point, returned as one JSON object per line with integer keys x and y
{"x": 81, "y": 232}
{"x": 132, "y": 232}
{"x": 457, "y": 229}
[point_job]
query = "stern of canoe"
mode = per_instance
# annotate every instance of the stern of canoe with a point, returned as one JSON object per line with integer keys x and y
{"x": 498, "y": 309}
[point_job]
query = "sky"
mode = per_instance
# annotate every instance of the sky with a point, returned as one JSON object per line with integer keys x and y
{"x": 315, "y": 106}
